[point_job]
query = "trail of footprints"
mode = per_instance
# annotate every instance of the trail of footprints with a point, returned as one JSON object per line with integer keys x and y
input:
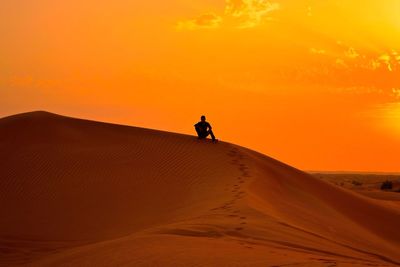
{"x": 237, "y": 193}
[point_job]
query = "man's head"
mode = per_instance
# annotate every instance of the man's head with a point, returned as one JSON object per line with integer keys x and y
{"x": 203, "y": 118}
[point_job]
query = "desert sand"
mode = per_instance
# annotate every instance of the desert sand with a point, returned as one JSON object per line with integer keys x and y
{"x": 76, "y": 192}
{"x": 367, "y": 184}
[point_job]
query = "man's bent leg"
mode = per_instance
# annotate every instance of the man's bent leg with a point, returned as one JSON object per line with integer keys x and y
{"x": 201, "y": 134}
{"x": 198, "y": 132}
{"x": 212, "y": 135}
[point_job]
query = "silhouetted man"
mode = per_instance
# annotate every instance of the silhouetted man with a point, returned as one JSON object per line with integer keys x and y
{"x": 203, "y": 129}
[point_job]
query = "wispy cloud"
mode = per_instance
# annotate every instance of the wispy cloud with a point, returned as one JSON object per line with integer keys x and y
{"x": 353, "y": 58}
{"x": 317, "y": 51}
{"x": 351, "y": 53}
{"x": 204, "y": 21}
{"x": 250, "y": 13}
{"x": 242, "y": 13}
{"x": 391, "y": 60}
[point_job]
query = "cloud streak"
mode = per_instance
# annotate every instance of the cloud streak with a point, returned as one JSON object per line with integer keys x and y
{"x": 250, "y": 13}
{"x": 204, "y": 21}
{"x": 243, "y": 13}
{"x": 317, "y": 51}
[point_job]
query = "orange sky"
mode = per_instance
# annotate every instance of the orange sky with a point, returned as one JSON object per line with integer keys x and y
{"x": 315, "y": 84}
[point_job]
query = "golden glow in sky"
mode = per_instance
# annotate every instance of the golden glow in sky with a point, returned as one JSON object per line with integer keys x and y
{"x": 313, "y": 83}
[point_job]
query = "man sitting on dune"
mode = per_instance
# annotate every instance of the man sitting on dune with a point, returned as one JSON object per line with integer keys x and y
{"x": 203, "y": 129}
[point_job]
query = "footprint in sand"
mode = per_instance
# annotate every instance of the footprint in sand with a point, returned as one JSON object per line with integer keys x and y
{"x": 232, "y": 153}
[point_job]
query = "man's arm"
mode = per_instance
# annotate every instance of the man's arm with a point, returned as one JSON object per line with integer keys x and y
{"x": 209, "y": 126}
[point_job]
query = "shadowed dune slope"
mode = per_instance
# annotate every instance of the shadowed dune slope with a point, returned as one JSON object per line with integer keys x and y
{"x": 75, "y": 192}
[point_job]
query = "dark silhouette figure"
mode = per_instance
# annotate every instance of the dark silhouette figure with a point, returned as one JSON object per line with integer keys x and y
{"x": 204, "y": 129}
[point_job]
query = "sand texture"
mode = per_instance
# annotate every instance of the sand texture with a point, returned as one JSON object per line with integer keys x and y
{"x": 82, "y": 193}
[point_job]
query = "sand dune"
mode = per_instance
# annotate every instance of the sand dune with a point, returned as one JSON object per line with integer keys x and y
{"x": 81, "y": 193}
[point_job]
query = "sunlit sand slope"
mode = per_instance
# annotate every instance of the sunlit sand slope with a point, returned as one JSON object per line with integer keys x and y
{"x": 81, "y": 193}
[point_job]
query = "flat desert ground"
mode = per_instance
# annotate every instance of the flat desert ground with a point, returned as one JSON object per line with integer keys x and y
{"x": 368, "y": 184}
{"x": 75, "y": 192}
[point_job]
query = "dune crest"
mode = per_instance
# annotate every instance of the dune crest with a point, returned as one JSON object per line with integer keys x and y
{"x": 77, "y": 192}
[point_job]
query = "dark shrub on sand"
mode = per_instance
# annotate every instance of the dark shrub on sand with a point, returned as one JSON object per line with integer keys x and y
{"x": 387, "y": 185}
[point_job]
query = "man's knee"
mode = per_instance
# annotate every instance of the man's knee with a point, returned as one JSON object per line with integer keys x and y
{"x": 201, "y": 134}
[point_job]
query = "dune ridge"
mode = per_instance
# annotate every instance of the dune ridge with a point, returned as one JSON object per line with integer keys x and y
{"x": 75, "y": 192}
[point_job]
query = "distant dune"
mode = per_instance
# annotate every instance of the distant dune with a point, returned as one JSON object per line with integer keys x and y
{"x": 82, "y": 193}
